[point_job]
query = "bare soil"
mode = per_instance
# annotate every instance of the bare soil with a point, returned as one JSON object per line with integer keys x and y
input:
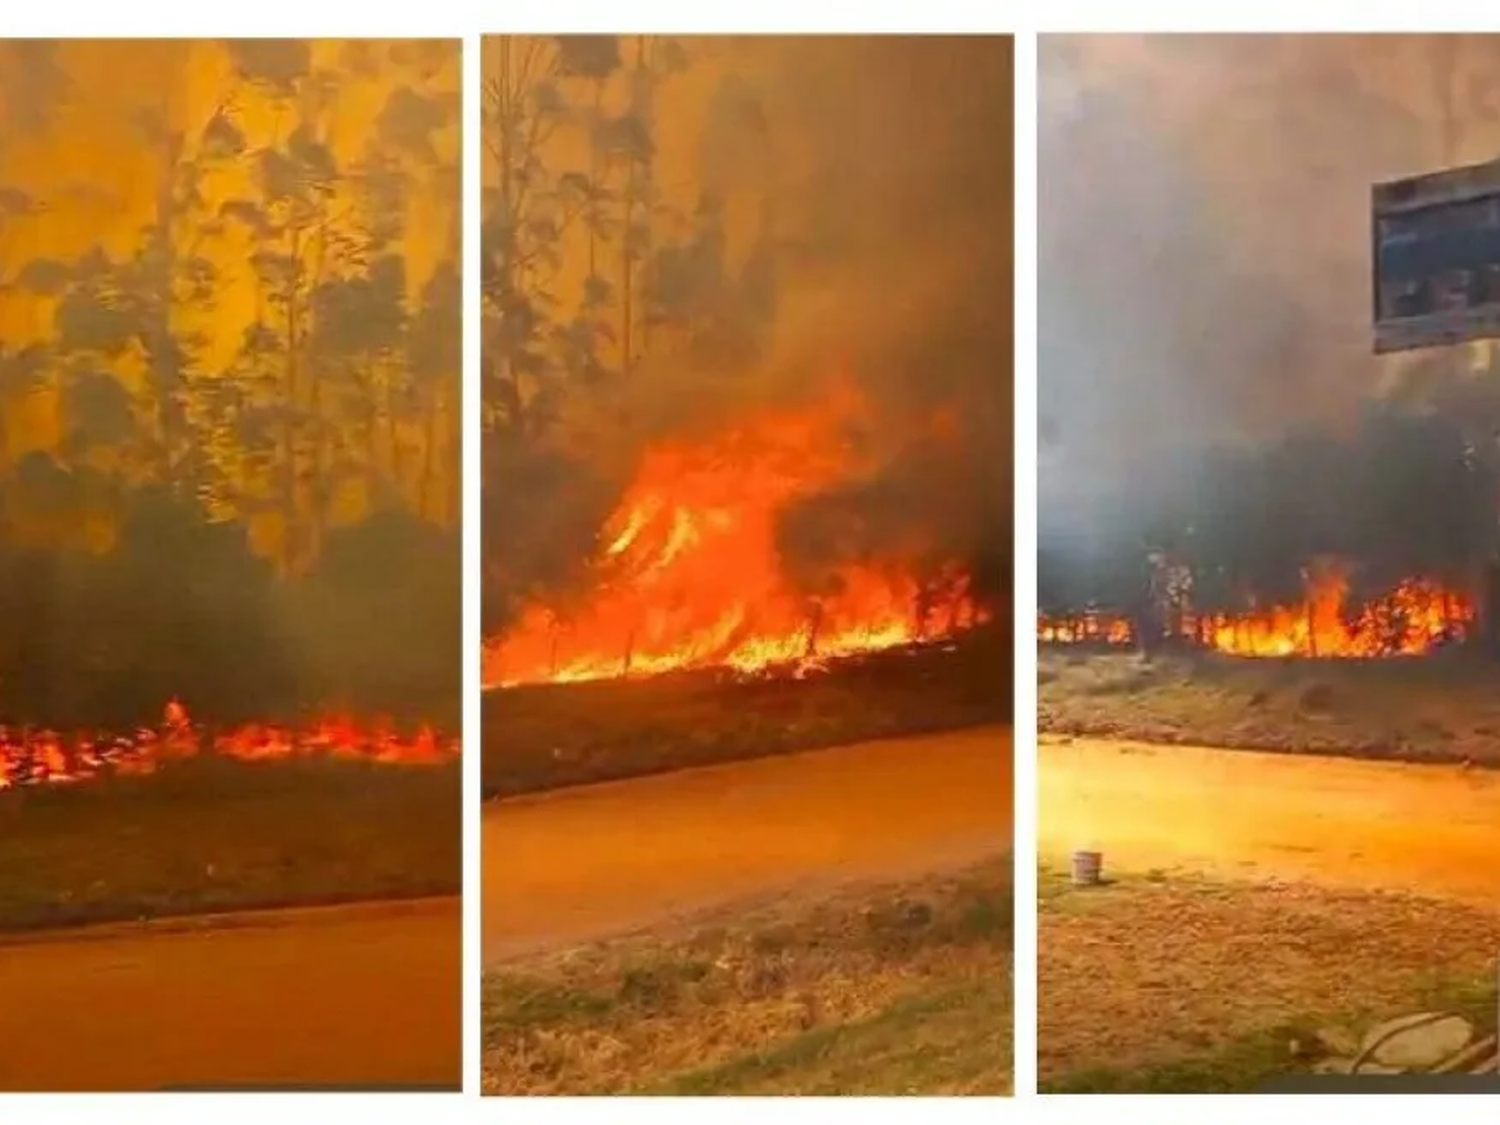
{"x": 880, "y": 989}
{"x": 363, "y": 997}
{"x": 588, "y": 863}
{"x": 1430, "y": 830}
{"x": 1181, "y": 984}
{"x": 1444, "y": 708}
{"x": 544, "y": 737}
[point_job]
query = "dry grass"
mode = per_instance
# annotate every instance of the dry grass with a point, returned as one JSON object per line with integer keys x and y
{"x": 207, "y": 835}
{"x": 1444, "y": 708}
{"x": 901, "y": 989}
{"x": 1185, "y": 985}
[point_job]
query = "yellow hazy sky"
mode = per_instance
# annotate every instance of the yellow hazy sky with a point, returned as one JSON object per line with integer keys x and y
{"x": 96, "y": 177}
{"x": 83, "y": 171}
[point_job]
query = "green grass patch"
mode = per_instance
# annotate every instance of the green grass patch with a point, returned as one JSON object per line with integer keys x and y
{"x": 514, "y": 1004}
{"x": 949, "y": 1041}
{"x": 1249, "y": 1062}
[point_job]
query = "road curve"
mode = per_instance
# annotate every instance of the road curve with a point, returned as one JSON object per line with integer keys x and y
{"x": 349, "y": 996}
{"x": 600, "y": 859}
{"x": 1431, "y": 830}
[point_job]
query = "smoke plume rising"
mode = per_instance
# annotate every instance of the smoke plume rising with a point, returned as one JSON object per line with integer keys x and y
{"x": 829, "y": 209}
{"x": 1204, "y": 232}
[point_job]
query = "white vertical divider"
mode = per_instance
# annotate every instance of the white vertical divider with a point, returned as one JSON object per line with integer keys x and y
{"x": 472, "y": 638}
{"x": 1025, "y": 452}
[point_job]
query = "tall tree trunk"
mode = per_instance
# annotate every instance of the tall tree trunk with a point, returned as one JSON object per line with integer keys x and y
{"x": 637, "y": 202}
{"x": 387, "y": 375}
{"x": 627, "y": 272}
{"x": 429, "y": 456}
{"x": 507, "y": 267}
{"x": 320, "y": 492}
{"x": 289, "y": 390}
{"x": 594, "y": 177}
{"x": 648, "y": 174}
{"x": 161, "y": 352}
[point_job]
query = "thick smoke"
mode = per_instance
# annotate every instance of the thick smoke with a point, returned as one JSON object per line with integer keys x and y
{"x": 1204, "y": 236}
{"x": 914, "y": 186}
{"x": 843, "y": 209}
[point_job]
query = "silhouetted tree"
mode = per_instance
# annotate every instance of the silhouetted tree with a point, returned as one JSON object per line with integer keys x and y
{"x": 138, "y": 468}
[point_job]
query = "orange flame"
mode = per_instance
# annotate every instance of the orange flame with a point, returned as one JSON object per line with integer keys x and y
{"x": 1413, "y": 618}
{"x": 44, "y": 757}
{"x": 690, "y": 574}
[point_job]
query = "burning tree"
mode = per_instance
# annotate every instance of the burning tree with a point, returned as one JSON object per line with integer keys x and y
{"x": 1312, "y": 545}
{"x": 665, "y": 488}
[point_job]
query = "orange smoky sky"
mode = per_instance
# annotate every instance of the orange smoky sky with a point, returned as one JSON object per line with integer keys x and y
{"x": 91, "y": 132}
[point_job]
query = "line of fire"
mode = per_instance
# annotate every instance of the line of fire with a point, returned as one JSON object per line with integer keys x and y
{"x": 747, "y": 521}
{"x": 229, "y": 561}
{"x": 1380, "y": 540}
{"x": 1268, "y": 563}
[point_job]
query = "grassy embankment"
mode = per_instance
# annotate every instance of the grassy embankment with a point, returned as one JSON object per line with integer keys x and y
{"x": 206, "y": 835}
{"x": 893, "y": 990}
{"x": 550, "y": 736}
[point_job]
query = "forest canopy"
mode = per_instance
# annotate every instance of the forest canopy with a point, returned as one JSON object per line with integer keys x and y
{"x": 229, "y": 376}
{"x": 1403, "y": 493}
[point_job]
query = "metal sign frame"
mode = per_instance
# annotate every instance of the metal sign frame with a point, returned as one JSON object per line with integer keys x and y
{"x": 1452, "y": 215}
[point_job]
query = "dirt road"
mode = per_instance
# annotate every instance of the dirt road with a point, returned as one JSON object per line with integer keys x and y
{"x": 1434, "y": 830}
{"x": 586, "y": 862}
{"x": 354, "y": 996}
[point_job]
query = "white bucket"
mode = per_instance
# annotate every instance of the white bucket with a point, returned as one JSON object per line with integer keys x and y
{"x": 1088, "y": 868}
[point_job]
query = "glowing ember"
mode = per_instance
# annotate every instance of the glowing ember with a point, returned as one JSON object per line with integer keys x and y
{"x": 1414, "y": 618}
{"x": 43, "y": 757}
{"x": 690, "y": 575}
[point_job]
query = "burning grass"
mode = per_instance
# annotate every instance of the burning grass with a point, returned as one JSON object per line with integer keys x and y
{"x": 1182, "y": 985}
{"x": 213, "y": 833}
{"x": 1444, "y": 708}
{"x": 892, "y": 990}
{"x": 1414, "y": 617}
{"x": 550, "y": 736}
{"x": 31, "y": 756}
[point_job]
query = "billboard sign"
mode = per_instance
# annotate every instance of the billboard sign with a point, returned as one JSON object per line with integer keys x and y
{"x": 1436, "y": 258}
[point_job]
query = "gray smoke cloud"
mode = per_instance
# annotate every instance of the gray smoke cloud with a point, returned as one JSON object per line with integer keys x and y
{"x": 879, "y": 170}
{"x": 1204, "y": 233}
